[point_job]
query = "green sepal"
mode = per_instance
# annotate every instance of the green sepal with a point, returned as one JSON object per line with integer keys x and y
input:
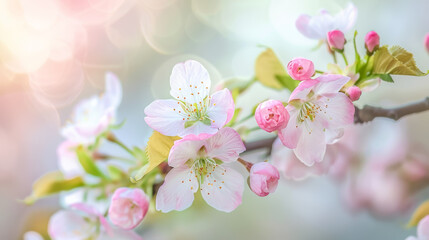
{"x": 88, "y": 163}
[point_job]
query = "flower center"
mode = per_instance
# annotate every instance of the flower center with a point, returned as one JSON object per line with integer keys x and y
{"x": 193, "y": 113}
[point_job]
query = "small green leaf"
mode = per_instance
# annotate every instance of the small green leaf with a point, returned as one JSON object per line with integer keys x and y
{"x": 115, "y": 173}
{"x": 88, "y": 163}
{"x": 386, "y": 77}
{"x": 158, "y": 148}
{"x": 357, "y": 56}
{"x": 287, "y": 82}
{"x": 421, "y": 212}
{"x": 395, "y": 60}
{"x": 267, "y": 67}
{"x": 51, "y": 183}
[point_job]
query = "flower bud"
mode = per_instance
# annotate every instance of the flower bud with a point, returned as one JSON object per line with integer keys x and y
{"x": 372, "y": 41}
{"x": 264, "y": 178}
{"x": 427, "y": 42}
{"x": 128, "y": 207}
{"x": 336, "y": 40}
{"x": 354, "y": 93}
{"x": 300, "y": 69}
{"x": 271, "y": 115}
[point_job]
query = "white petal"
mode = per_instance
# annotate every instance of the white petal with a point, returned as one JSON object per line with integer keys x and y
{"x": 330, "y": 83}
{"x": 311, "y": 147}
{"x": 423, "y": 228}
{"x": 221, "y": 108}
{"x": 226, "y": 145}
{"x": 68, "y": 162}
{"x": 183, "y": 150}
{"x": 32, "y": 236}
{"x": 177, "y": 192}
{"x": 166, "y": 117}
{"x": 223, "y": 190}
{"x": 292, "y": 132}
{"x": 199, "y": 128}
{"x": 113, "y": 94}
{"x": 346, "y": 19}
{"x": 339, "y": 111}
{"x": 190, "y": 82}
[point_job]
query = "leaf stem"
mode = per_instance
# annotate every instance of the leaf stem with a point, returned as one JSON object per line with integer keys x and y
{"x": 345, "y": 59}
{"x": 112, "y": 138}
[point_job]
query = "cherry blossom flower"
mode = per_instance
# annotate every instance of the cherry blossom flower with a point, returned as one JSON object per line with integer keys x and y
{"x": 200, "y": 164}
{"x": 82, "y": 221}
{"x": 318, "y": 112}
{"x": 68, "y": 162}
{"x": 93, "y": 116}
{"x": 422, "y": 230}
{"x": 317, "y": 27}
{"x": 271, "y": 115}
{"x": 128, "y": 207}
{"x": 192, "y": 111}
{"x": 264, "y": 178}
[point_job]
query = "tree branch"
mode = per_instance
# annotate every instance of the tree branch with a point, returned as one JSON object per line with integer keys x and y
{"x": 366, "y": 114}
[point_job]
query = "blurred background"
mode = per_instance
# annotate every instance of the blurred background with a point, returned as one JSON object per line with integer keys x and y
{"x": 54, "y": 53}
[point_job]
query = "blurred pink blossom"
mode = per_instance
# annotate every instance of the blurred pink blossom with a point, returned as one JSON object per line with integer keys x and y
{"x": 128, "y": 207}
{"x": 422, "y": 230}
{"x": 317, "y": 27}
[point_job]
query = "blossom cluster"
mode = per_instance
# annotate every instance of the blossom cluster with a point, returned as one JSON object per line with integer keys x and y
{"x": 198, "y": 143}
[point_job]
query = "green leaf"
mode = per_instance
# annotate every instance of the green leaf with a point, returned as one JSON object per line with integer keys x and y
{"x": 386, "y": 77}
{"x": 357, "y": 56}
{"x": 267, "y": 67}
{"x": 395, "y": 60}
{"x": 158, "y": 148}
{"x": 287, "y": 82}
{"x": 51, "y": 183}
{"x": 115, "y": 173}
{"x": 421, "y": 212}
{"x": 88, "y": 163}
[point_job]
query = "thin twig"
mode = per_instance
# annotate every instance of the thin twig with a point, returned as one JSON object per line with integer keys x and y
{"x": 362, "y": 115}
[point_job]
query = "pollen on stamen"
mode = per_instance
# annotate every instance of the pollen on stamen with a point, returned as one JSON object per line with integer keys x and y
{"x": 223, "y": 182}
{"x": 220, "y": 187}
{"x": 192, "y": 188}
{"x": 190, "y": 85}
{"x": 180, "y": 89}
{"x": 183, "y": 181}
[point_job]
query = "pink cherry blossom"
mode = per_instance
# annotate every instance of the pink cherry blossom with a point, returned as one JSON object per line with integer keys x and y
{"x": 271, "y": 115}
{"x": 372, "y": 41}
{"x": 318, "y": 113}
{"x": 354, "y": 93}
{"x": 93, "y": 116}
{"x": 32, "y": 236}
{"x": 192, "y": 111}
{"x": 317, "y": 27}
{"x": 264, "y": 178}
{"x": 128, "y": 207}
{"x": 422, "y": 230}
{"x": 201, "y": 164}
{"x": 300, "y": 69}
{"x": 336, "y": 40}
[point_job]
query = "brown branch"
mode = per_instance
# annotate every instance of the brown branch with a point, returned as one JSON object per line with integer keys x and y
{"x": 366, "y": 114}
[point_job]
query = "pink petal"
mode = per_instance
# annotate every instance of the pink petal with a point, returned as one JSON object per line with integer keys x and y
{"x": 303, "y": 89}
{"x": 190, "y": 82}
{"x": 68, "y": 162}
{"x": 113, "y": 94}
{"x": 302, "y": 24}
{"x": 292, "y": 132}
{"x": 177, "y": 192}
{"x": 339, "y": 111}
{"x": 226, "y": 145}
{"x": 69, "y": 225}
{"x": 225, "y": 194}
{"x": 330, "y": 83}
{"x": 311, "y": 147}
{"x": 221, "y": 108}
{"x": 291, "y": 167}
{"x": 346, "y": 19}
{"x": 183, "y": 150}
{"x": 164, "y": 117}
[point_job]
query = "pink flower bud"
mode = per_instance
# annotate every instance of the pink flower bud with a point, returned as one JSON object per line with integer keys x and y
{"x": 264, "y": 178}
{"x": 300, "y": 69}
{"x": 128, "y": 207}
{"x": 354, "y": 93}
{"x": 372, "y": 41}
{"x": 271, "y": 115}
{"x": 336, "y": 40}
{"x": 427, "y": 42}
